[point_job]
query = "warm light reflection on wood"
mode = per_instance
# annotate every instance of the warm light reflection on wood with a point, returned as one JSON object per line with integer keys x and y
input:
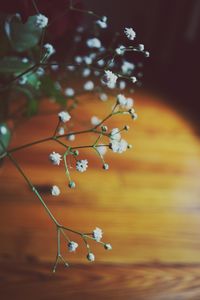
{"x": 147, "y": 204}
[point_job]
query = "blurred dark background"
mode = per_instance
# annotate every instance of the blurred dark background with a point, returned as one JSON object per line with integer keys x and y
{"x": 170, "y": 29}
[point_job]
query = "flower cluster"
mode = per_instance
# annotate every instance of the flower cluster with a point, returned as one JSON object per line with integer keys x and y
{"x": 112, "y": 71}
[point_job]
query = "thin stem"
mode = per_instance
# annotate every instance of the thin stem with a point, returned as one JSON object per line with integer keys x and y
{"x": 89, "y": 12}
{"x": 71, "y": 230}
{"x": 13, "y": 160}
{"x": 35, "y": 6}
{"x": 19, "y": 76}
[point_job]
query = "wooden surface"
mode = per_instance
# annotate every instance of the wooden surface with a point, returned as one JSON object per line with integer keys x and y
{"x": 147, "y": 204}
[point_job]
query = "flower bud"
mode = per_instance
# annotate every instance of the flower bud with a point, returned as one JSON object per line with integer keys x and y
{"x": 71, "y": 184}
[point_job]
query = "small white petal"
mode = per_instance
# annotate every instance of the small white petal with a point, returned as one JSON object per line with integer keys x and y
{"x": 88, "y": 86}
{"x": 55, "y": 191}
{"x": 64, "y": 116}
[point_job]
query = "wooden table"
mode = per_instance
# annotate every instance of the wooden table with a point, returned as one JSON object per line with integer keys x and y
{"x": 147, "y": 204}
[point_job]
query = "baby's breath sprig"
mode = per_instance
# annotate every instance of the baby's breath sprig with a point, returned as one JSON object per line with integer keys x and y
{"x": 114, "y": 72}
{"x": 115, "y": 143}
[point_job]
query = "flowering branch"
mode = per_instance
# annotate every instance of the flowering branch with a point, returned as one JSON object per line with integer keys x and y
{"x": 112, "y": 68}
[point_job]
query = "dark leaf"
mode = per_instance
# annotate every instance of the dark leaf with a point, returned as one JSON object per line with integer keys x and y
{"x": 22, "y": 36}
{"x": 5, "y": 136}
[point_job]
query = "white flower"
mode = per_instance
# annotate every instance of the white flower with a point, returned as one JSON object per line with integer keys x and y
{"x": 129, "y": 103}
{"x": 87, "y": 60}
{"x": 147, "y": 54}
{"x": 103, "y": 97}
{"x": 115, "y": 134}
{"x": 109, "y": 79}
{"x": 127, "y": 67}
{"x": 93, "y": 43}
{"x": 124, "y": 102}
{"x": 81, "y": 165}
{"x": 64, "y": 116}
{"x": 122, "y": 84}
{"x": 49, "y": 49}
{"x": 40, "y": 71}
{"x": 97, "y": 234}
{"x": 105, "y": 166}
{"x": 72, "y": 246}
{"x": 120, "y": 50}
{"x": 88, "y": 86}
{"x": 22, "y": 80}
{"x": 102, "y": 150}
{"x": 119, "y": 146}
{"x": 133, "y": 79}
{"x": 92, "y": 55}
{"x": 121, "y": 99}
{"x": 71, "y": 137}
{"x": 102, "y": 22}
{"x": 95, "y": 120}
{"x": 78, "y": 59}
{"x": 54, "y": 66}
{"x": 130, "y": 33}
{"x": 55, "y": 191}
{"x": 71, "y": 68}
{"x": 61, "y": 131}
{"x": 90, "y": 256}
{"x": 41, "y": 21}
{"x": 69, "y": 92}
{"x": 55, "y": 158}
{"x": 25, "y": 60}
{"x": 101, "y": 62}
{"x": 86, "y": 72}
{"x": 108, "y": 246}
{"x": 141, "y": 47}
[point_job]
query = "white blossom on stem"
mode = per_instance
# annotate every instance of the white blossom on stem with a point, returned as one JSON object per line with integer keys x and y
{"x": 118, "y": 146}
{"x": 97, "y": 234}
{"x": 120, "y": 50}
{"x": 108, "y": 246}
{"x": 127, "y": 67}
{"x": 103, "y": 97}
{"x": 41, "y": 21}
{"x": 102, "y": 150}
{"x": 91, "y": 256}
{"x": 55, "y": 191}
{"x": 49, "y": 49}
{"x": 121, "y": 99}
{"x": 69, "y": 92}
{"x": 93, "y": 43}
{"x": 95, "y": 120}
{"x": 102, "y": 23}
{"x": 64, "y": 116}
{"x": 82, "y": 165}
{"x": 115, "y": 134}
{"x": 72, "y": 246}
{"x": 88, "y": 86}
{"x": 109, "y": 79}
{"x": 71, "y": 137}
{"x": 130, "y": 33}
{"x": 55, "y": 158}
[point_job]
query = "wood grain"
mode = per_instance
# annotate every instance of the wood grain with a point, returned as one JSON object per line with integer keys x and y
{"x": 147, "y": 204}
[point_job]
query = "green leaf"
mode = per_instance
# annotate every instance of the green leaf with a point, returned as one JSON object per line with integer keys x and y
{"x": 33, "y": 80}
{"x": 32, "y": 103}
{"x": 12, "y": 64}
{"x": 22, "y": 36}
{"x": 51, "y": 89}
{"x": 5, "y": 136}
